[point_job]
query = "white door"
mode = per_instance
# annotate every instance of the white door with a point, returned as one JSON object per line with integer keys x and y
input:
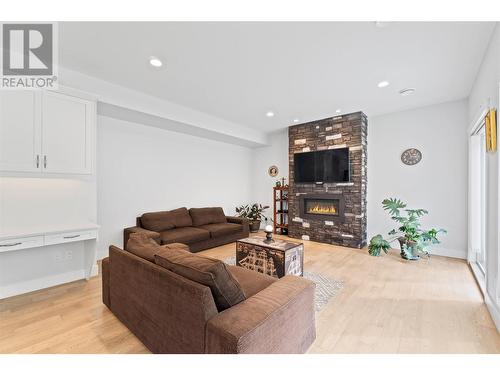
{"x": 20, "y": 131}
{"x": 481, "y": 253}
{"x": 477, "y": 202}
{"x": 66, "y": 136}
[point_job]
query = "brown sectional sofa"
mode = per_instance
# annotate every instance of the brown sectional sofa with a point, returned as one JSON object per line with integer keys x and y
{"x": 170, "y": 312}
{"x": 199, "y": 228}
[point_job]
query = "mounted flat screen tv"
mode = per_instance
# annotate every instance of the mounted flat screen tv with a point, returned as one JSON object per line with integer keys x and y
{"x": 322, "y": 166}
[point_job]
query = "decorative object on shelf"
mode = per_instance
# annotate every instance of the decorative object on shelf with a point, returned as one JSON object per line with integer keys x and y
{"x": 283, "y": 182}
{"x": 491, "y": 130}
{"x": 254, "y": 213}
{"x": 411, "y": 156}
{"x": 273, "y": 171}
{"x": 278, "y": 183}
{"x": 280, "y": 209}
{"x": 412, "y": 239}
{"x": 269, "y": 233}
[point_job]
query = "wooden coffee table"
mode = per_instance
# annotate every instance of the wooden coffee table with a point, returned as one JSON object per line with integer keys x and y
{"x": 277, "y": 258}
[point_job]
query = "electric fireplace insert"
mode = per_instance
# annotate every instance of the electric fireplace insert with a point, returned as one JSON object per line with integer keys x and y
{"x": 322, "y": 207}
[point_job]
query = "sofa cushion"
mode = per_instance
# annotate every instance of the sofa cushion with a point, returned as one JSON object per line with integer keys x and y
{"x": 251, "y": 282}
{"x": 207, "y": 215}
{"x": 177, "y": 246}
{"x": 186, "y": 235}
{"x": 206, "y": 271}
{"x": 222, "y": 229}
{"x": 143, "y": 246}
{"x": 165, "y": 220}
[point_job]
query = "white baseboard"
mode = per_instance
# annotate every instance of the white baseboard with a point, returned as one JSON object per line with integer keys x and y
{"x": 452, "y": 253}
{"x": 95, "y": 270}
{"x": 494, "y": 310}
{"x": 44, "y": 282}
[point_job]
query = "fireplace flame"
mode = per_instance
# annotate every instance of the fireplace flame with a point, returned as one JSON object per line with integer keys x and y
{"x": 323, "y": 209}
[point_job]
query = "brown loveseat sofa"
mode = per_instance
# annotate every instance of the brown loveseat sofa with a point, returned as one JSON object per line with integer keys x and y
{"x": 160, "y": 302}
{"x": 199, "y": 228}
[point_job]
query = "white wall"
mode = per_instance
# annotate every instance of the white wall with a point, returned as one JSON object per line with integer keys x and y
{"x": 484, "y": 94}
{"x": 438, "y": 183}
{"x": 142, "y": 168}
{"x": 44, "y": 202}
{"x": 263, "y": 158}
{"x": 23, "y": 271}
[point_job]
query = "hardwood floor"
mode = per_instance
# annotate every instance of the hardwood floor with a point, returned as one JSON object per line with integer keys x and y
{"x": 387, "y": 305}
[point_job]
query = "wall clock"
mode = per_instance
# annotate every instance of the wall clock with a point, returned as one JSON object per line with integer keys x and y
{"x": 411, "y": 156}
{"x": 273, "y": 171}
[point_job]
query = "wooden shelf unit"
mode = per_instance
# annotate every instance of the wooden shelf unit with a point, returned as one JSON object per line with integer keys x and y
{"x": 280, "y": 209}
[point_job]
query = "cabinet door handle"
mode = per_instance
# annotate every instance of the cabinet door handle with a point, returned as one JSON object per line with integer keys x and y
{"x": 11, "y": 244}
{"x": 76, "y": 235}
{"x": 38, "y": 161}
{"x": 45, "y": 161}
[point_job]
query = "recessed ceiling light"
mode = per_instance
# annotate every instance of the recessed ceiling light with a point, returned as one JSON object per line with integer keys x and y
{"x": 382, "y": 84}
{"x": 155, "y": 61}
{"x": 296, "y": 120}
{"x": 406, "y": 92}
{"x": 270, "y": 114}
{"x": 338, "y": 111}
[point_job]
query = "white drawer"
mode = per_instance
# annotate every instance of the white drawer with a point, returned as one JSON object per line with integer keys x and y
{"x": 20, "y": 243}
{"x": 53, "y": 239}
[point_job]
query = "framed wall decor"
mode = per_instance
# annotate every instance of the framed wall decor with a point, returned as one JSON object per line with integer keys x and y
{"x": 273, "y": 171}
{"x": 491, "y": 130}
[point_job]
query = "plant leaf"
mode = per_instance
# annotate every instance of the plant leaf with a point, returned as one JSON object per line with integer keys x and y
{"x": 417, "y": 212}
{"x": 378, "y": 243}
{"x": 393, "y": 205}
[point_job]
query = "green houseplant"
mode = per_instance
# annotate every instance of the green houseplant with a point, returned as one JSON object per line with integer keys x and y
{"x": 254, "y": 213}
{"x": 412, "y": 240}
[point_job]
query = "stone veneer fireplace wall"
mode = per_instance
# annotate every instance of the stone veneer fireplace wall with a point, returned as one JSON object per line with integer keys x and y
{"x": 347, "y": 227}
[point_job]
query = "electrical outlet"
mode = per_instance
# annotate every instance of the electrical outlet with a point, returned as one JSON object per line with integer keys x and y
{"x": 58, "y": 257}
{"x": 68, "y": 255}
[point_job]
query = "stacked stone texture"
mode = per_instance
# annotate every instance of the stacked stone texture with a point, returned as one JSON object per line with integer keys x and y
{"x": 342, "y": 131}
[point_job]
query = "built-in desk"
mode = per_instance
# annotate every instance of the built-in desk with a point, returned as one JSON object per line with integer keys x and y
{"x": 26, "y": 238}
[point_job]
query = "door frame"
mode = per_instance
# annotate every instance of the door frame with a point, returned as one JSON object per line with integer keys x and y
{"x": 498, "y": 224}
{"x": 471, "y": 255}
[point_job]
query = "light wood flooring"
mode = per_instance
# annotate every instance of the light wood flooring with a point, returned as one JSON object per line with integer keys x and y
{"x": 387, "y": 305}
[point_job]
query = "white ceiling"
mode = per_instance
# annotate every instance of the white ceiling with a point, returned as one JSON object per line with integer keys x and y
{"x": 239, "y": 71}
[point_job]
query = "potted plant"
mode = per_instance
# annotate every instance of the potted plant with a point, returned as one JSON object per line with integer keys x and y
{"x": 412, "y": 240}
{"x": 254, "y": 213}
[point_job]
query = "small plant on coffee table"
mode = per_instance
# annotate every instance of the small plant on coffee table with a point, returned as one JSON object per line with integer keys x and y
{"x": 412, "y": 240}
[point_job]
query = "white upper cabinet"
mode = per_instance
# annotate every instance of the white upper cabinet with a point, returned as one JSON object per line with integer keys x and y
{"x": 48, "y": 132}
{"x": 20, "y": 131}
{"x": 66, "y": 134}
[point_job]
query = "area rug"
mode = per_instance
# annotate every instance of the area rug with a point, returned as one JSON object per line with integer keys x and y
{"x": 326, "y": 288}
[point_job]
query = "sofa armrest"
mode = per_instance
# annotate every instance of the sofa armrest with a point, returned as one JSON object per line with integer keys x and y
{"x": 128, "y": 231}
{"x": 236, "y": 220}
{"x": 105, "y": 281}
{"x": 167, "y": 312}
{"x": 278, "y": 319}
{"x": 239, "y": 220}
